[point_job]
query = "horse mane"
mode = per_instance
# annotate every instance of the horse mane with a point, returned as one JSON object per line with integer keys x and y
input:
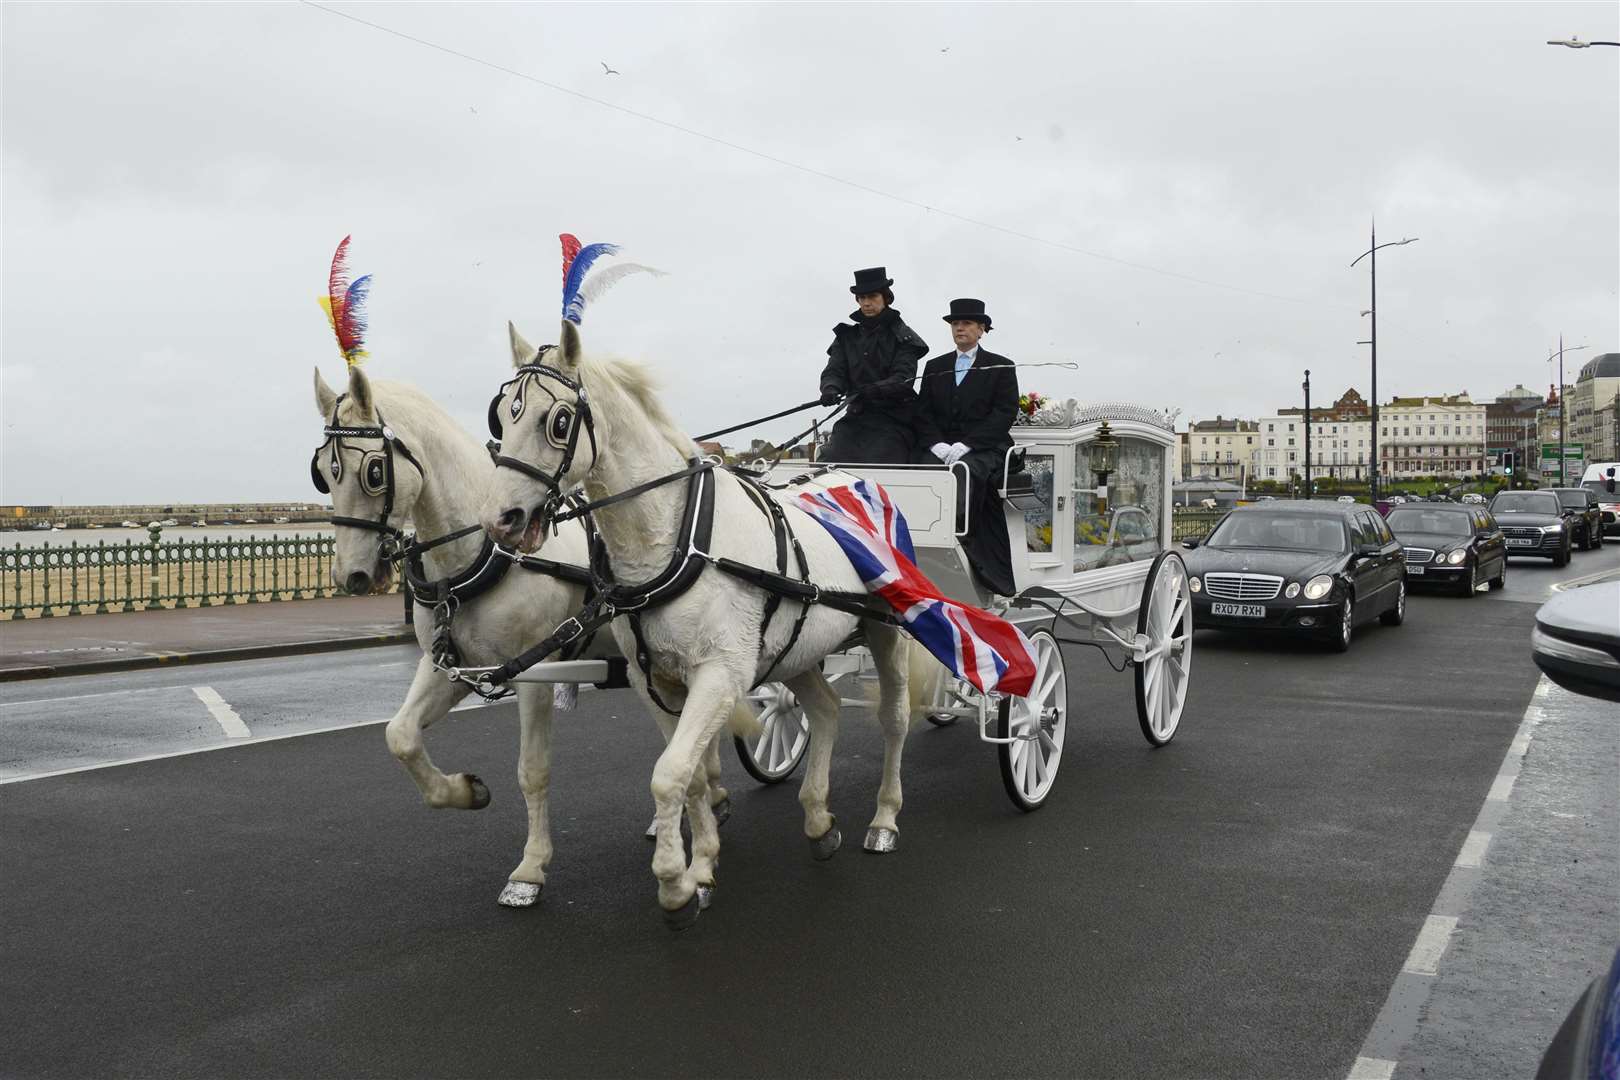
{"x": 637, "y": 382}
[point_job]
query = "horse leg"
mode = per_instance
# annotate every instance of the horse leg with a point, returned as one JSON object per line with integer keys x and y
{"x": 524, "y": 884}
{"x": 677, "y": 779}
{"x": 894, "y": 715}
{"x": 719, "y": 797}
{"x": 821, "y": 705}
{"x": 429, "y": 700}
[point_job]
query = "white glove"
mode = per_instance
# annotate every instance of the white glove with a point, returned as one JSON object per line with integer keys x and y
{"x": 941, "y": 451}
{"x": 954, "y": 454}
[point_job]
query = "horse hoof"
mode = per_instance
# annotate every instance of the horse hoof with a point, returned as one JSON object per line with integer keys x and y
{"x": 827, "y": 844}
{"x": 652, "y": 830}
{"x": 705, "y": 895}
{"x": 685, "y": 915}
{"x": 520, "y": 894}
{"x": 480, "y": 793}
{"x": 722, "y": 811}
{"x": 880, "y": 840}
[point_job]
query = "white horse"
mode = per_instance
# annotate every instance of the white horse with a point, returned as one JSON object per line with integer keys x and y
{"x": 706, "y": 640}
{"x": 522, "y": 609}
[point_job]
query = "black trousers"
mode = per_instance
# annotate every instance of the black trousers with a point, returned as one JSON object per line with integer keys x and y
{"x": 870, "y": 438}
{"x": 986, "y": 544}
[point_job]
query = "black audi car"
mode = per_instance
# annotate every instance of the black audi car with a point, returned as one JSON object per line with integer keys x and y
{"x": 1533, "y": 523}
{"x": 1456, "y": 545}
{"x": 1306, "y": 567}
{"x": 1586, "y": 516}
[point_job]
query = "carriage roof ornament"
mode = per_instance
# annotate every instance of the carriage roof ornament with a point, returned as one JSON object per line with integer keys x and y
{"x": 1071, "y": 413}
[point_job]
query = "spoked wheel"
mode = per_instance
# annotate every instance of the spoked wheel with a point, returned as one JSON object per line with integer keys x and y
{"x": 1036, "y": 724}
{"x": 1165, "y": 619}
{"x": 948, "y": 694}
{"x": 772, "y": 755}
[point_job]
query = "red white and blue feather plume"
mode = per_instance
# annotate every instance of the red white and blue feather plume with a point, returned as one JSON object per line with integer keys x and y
{"x": 345, "y": 306}
{"x": 577, "y": 263}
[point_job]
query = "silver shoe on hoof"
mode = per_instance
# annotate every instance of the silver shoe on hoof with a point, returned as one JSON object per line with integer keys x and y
{"x": 880, "y": 840}
{"x": 705, "y": 895}
{"x": 827, "y": 844}
{"x": 652, "y": 830}
{"x": 685, "y": 915}
{"x": 520, "y": 894}
{"x": 480, "y": 793}
{"x": 722, "y": 810}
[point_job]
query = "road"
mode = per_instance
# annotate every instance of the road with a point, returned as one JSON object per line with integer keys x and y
{"x": 1241, "y": 903}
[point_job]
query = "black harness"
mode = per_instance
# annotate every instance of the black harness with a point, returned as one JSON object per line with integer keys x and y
{"x": 687, "y": 561}
{"x": 376, "y": 475}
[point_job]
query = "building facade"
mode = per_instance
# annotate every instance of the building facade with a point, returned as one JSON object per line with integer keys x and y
{"x": 1594, "y": 392}
{"x": 1431, "y": 436}
{"x": 1220, "y": 449}
{"x": 1340, "y": 434}
{"x": 1510, "y": 427}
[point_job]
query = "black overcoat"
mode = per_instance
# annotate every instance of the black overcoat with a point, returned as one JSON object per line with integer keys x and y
{"x": 980, "y": 414}
{"x": 873, "y": 362}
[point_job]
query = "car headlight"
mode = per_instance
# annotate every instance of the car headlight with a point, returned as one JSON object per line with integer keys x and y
{"x": 1318, "y": 587}
{"x": 1292, "y": 590}
{"x": 1457, "y": 557}
{"x": 1552, "y": 528}
{"x": 1195, "y": 585}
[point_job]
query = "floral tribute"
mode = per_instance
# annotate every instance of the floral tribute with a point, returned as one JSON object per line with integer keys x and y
{"x": 1029, "y": 404}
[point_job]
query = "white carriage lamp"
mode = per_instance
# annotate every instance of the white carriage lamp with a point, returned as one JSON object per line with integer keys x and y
{"x": 1104, "y": 452}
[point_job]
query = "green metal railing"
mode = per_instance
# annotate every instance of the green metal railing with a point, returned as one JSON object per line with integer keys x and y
{"x": 45, "y": 580}
{"x": 1193, "y": 524}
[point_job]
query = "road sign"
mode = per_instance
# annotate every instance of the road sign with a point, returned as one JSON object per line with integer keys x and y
{"x": 1574, "y": 459}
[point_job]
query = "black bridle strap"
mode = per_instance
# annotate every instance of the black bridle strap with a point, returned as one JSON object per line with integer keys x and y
{"x": 581, "y": 509}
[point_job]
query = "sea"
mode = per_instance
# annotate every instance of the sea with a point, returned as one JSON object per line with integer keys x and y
{"x": 91, "y": 537}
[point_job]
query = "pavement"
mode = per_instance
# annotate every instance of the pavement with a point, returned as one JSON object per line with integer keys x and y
{"x": 92, "y": 644}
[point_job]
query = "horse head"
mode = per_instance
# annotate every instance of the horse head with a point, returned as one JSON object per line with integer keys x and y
{"x": 542, "y": 417}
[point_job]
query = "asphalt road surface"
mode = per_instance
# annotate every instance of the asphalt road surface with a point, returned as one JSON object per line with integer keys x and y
{"x": 1236, "y": 904}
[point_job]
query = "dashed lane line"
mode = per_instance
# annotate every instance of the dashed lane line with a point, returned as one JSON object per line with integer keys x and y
{"x": 229, "y": 721}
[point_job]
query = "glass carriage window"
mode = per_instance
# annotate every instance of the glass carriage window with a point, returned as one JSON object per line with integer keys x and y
{"x": 1038, "y": 510}
{"x": 1126, "y": 528}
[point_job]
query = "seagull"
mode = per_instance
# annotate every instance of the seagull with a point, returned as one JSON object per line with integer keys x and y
{"x": 605, "y": 69}
{"x": 472, "y": 110}
{"x": 1019, "y": 138}
{"x": 946, "y": 49}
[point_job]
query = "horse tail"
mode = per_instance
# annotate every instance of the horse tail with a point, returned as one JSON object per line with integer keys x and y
{"x": 925, "y": 677}
{"x": 744, "y": 722}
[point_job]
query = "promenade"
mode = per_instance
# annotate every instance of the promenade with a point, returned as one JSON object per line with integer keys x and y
{"x": 88, "y": 644}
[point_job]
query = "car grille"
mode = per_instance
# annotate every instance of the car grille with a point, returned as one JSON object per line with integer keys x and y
{"x": 1418, "y": 556}
{"x": 1521, "y": 533}
{"x": 1243, "y": 586}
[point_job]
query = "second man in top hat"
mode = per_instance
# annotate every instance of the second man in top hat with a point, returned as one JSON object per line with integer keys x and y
{"x": 872, "y": 361}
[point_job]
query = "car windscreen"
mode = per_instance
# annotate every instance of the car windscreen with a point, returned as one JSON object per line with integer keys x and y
{"x": 1597, "y": 488}
{"x": 1571, "y": 497}
{"x": 1526, "y": 502}
{"x": 1414, "y": 520}
{"x": 1290, "y": 532}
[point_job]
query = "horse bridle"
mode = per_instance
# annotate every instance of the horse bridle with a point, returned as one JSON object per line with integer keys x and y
{"x": 376, "y": 475}
{"x": 563, "y": 422}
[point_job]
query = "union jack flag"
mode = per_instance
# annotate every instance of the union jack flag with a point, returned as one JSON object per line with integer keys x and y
{"x": 988, "y": 652}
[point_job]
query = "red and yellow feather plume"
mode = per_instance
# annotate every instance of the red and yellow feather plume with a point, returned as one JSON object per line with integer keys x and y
{"x": 344, "y": 304}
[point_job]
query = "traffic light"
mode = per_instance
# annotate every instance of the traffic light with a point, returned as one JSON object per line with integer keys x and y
{"x": 1507, "y": 461}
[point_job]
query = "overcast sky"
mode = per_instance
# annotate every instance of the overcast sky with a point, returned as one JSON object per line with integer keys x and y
{"x": 176, "y": 177}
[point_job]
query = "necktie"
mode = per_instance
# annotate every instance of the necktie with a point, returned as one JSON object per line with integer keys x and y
{"x": 962, "y": 365}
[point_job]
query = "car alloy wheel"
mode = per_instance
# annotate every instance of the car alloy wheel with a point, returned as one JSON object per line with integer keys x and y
{"x": 1347, "y": 623}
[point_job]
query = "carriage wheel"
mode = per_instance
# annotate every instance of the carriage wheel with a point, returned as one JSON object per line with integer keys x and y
{"x": 946, "y": 695}
{"x": 1036, "y": 723}
{"x": 1165, "y": 618}
{"x": 772, "y": 755}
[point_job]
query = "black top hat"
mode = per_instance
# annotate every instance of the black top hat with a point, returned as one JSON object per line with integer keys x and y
{"x": 967, "y": 308}
{"x": 872, "y": 279}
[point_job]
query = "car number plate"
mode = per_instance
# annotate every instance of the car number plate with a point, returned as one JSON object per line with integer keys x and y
{"x": 1515, "y": 541}
{"x": 1419, "y": 570}
{"x": 1242, "y": 611}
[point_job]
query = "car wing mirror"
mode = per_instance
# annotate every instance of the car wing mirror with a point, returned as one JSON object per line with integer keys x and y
{"x": 1189, "y": 544}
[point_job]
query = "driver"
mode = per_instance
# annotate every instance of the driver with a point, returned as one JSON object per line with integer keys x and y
{"x": 965, "y": 409}
{"x": 872, "y": 361}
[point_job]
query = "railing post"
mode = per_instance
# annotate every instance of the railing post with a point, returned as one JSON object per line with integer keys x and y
{"x": 207, "y": 578}
{"x": 253, "y": 571}
{"x": 45, "y": 611}
{"x": 129, "y": 575}
{"x": 230, "y": 570}
{"x": 16, "y": 580}
{"x": 181, "y": 554}
{"x": 73, "y": 577}
{"x": 152, "y": 579}
{"x": 101, "y": 577}
{"x": 275, "y": 567}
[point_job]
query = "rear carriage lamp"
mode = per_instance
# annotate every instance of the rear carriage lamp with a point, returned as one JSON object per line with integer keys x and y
{"x": 1292, "y": 590}
{"x": 1104, "y": 454}
{"x": 1318, "y": 587}
{"x": 1456, "y": 558}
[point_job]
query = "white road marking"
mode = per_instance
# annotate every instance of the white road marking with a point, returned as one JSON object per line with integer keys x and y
{"x": 1367, "y": 1068}
{"x": 1430, "y": 946}
{"x": 82, "y": 697}
{"x": 1473, "y": 849}
{"x": 228, "y": 720}
{"x": 1575, "y": 583}
{"x": 1501, "y": 788}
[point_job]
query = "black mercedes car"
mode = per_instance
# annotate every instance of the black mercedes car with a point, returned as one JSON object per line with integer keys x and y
{"x": 1534, "y": 523}
{"x": 1457, "y": 545}
{"x": 1317, "y": 568}
{"x": 1586, "y": 520}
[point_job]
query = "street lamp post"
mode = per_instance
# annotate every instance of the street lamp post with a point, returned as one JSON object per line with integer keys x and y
{"x": 1561, "y": 350}
{"x": 1308, "y": 491}
{"x": 1372, "y": 482}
